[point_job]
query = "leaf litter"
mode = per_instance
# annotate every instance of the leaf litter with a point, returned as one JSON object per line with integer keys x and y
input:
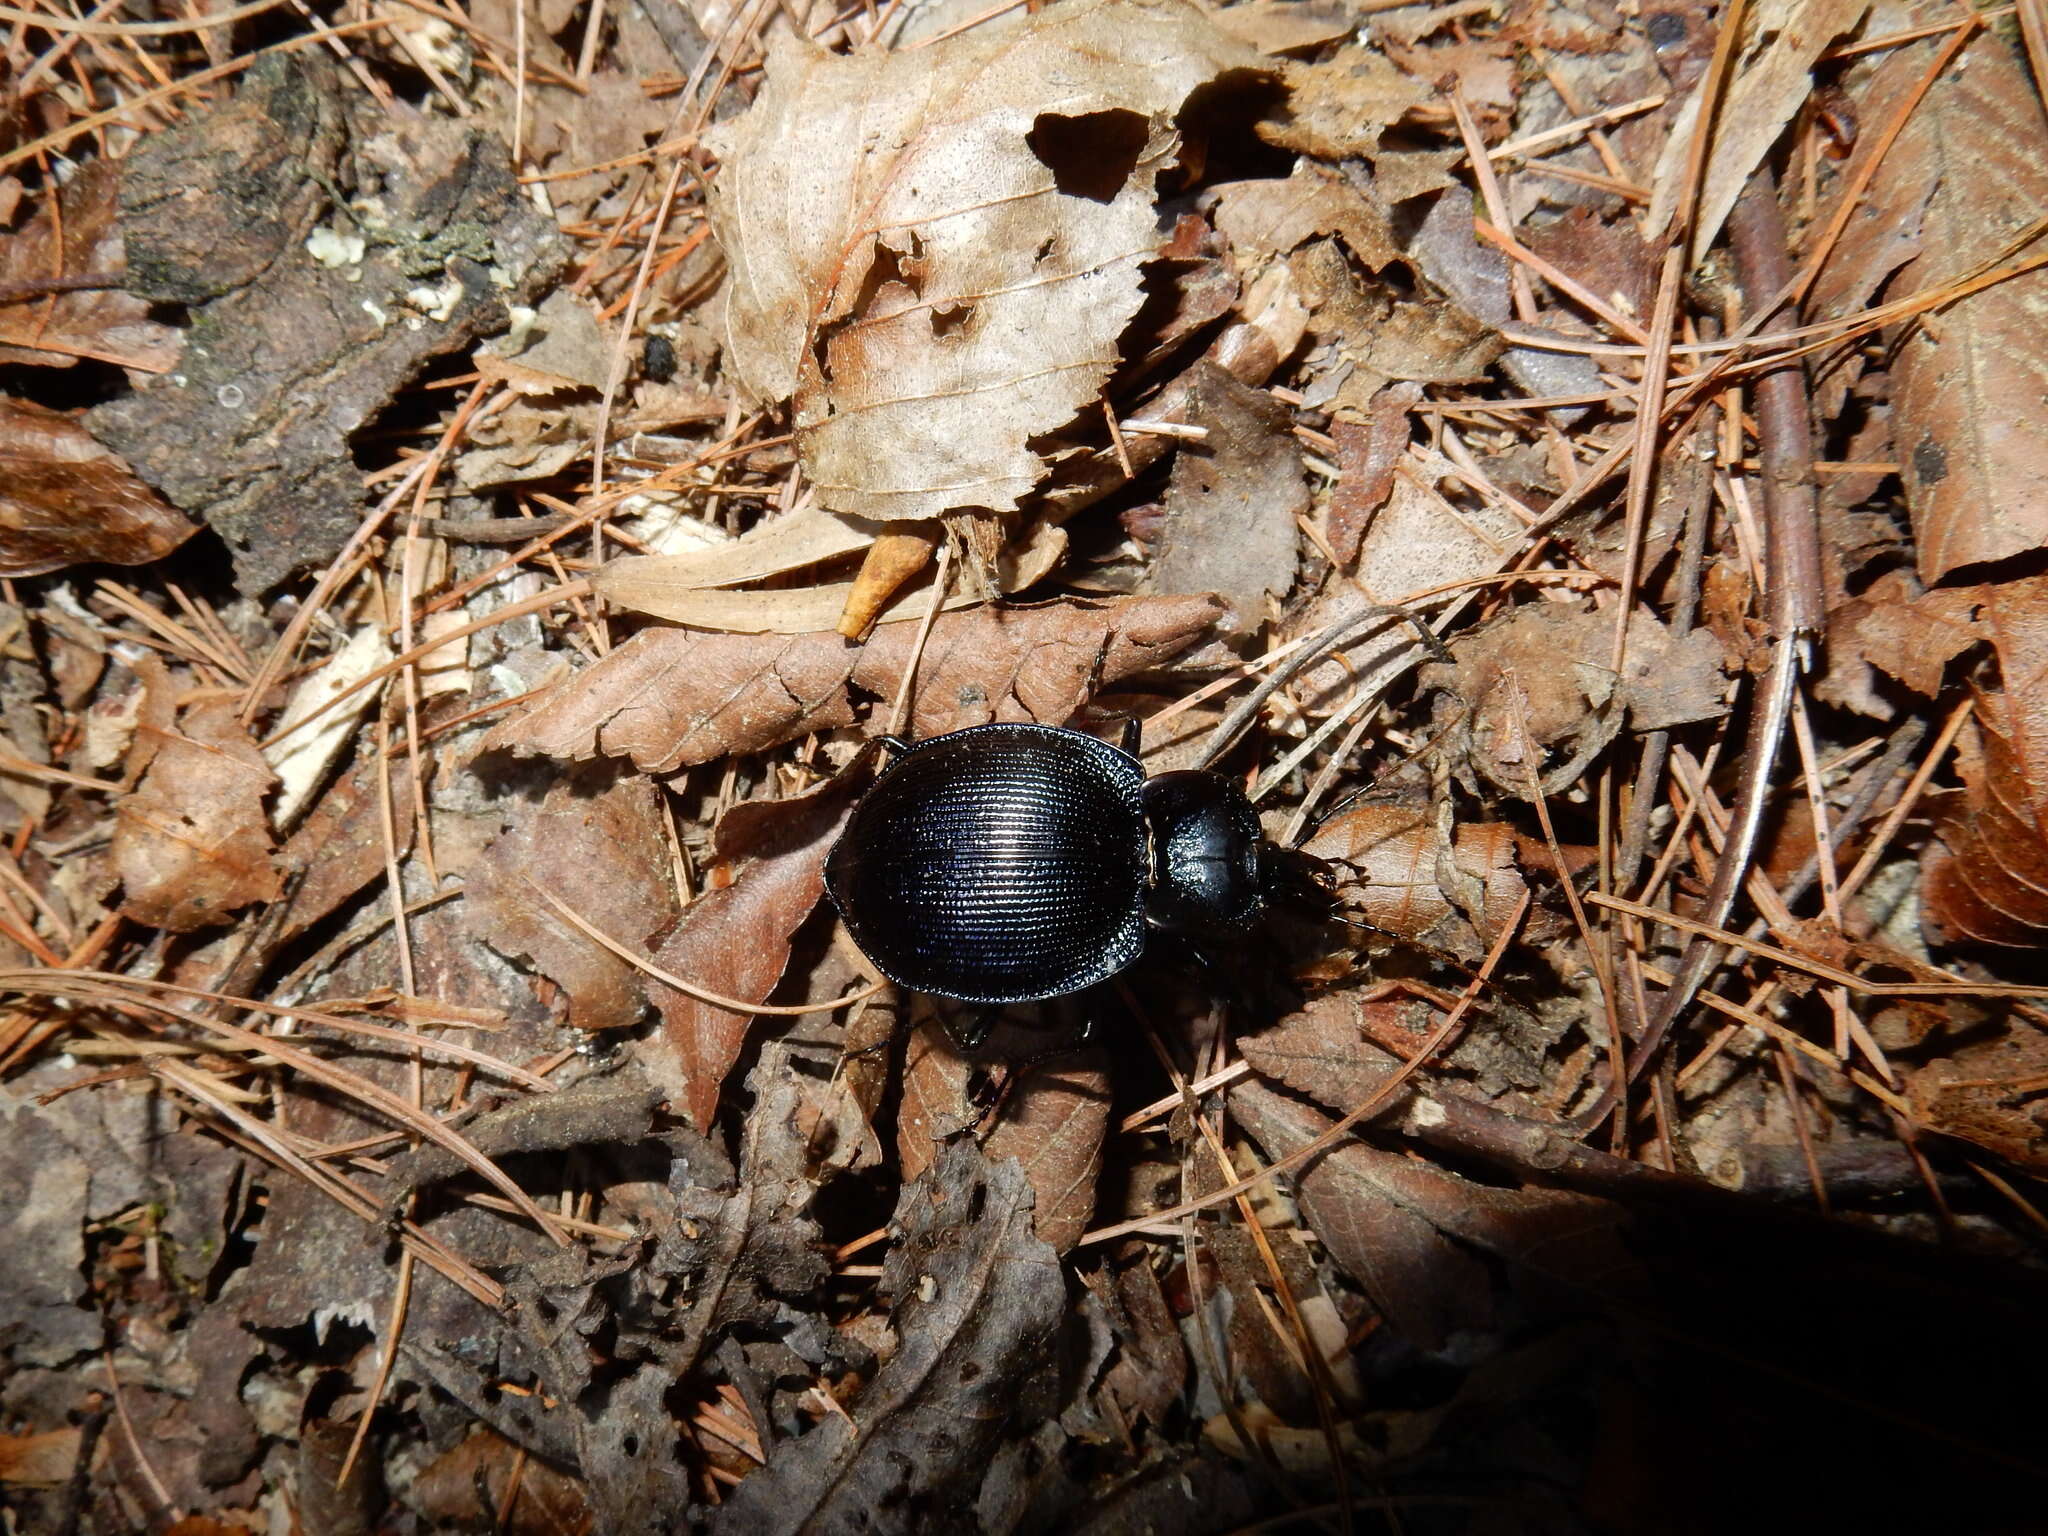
{"x": 470, "y": 493}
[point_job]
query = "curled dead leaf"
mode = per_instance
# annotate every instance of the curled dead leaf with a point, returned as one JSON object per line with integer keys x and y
{"x": 65, "y": 500}
{"x": 934, "y": 252}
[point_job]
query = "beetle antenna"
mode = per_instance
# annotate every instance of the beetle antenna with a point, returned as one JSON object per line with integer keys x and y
{"x": 1326, "y": 816}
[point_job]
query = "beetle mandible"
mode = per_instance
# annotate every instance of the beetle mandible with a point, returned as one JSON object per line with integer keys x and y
{"x": 1015, "y": 863}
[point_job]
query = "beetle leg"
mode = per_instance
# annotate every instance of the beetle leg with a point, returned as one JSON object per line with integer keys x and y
{"x": 968, "y": 1033}
{"x": 895, "y": 746}
{"x": 1134, "y": 733}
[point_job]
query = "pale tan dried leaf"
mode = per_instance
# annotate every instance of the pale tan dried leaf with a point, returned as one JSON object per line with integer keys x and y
{"x": 777, "y": 611}
{"x": 192, "y": 843}
{"x": 1785, "y": 37}
{"x": 65, "y": 500}
{"x": 1283, "y": 26}
{"x": 1417, "y": 543}
{"x": 773, "y": 547}
{"x": 302, "y": 755}
{"x": 563, "y": 347}
{"x": 596, "y": 843}
{"x": 671, "y": 697}
{"x": 934, "y": 252}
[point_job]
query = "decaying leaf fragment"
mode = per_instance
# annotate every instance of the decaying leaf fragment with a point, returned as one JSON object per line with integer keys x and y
{"x": 1400, "y": 871}
{"x": 934, "y": 252}
{"x": 193, "y": 844}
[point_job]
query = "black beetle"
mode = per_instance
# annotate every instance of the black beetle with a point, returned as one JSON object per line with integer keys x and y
{"x": 1014, "y": 863}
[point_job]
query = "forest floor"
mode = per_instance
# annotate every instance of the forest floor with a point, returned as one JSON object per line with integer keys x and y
{"x": 474, "y": 480}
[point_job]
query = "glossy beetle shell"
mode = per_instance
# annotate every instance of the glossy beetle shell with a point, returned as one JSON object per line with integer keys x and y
{"x": 999, "y": 864}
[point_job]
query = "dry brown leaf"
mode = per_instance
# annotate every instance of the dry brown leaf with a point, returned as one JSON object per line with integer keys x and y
{"x": 1272, "y": 217}
{"x": 935, "y": 251}
{"x": 40, "y": 1460}
{"x": 1327, "y": 1050}
{"x": 669, "y": 697}
{"x": 1993, "y": 1093}
{"x": 340, "y": 848}
{"x": 597, "y": 844}
{"x": 1052, "y": 1119}
{"x": 1536, "y": 682}
{"x": 1970, "y": 391}
{"x": 1417, "y": 542}
{"x": 1425, "y": 1285}
{"x": 773, "y": 611}
{"x": 56, "y": 331}
{"x": 1232, "y": 500}
{"x": 1282, "y": 26}
{"x": 476, "y": 1478}
{"x": 1150, "y": 1369}
{"x": 1893, "y": 628}
{"x": 562, "y": 348}
{"x": 1337, "y": 109}
{"x": 1384, "y": 332}
{"x": 1394, "y": 867}
{"x": 1610, "y": 259}
{"x": 1387, "y": 1218}
{"x": 936, "y": 1096}
{"x": 1366, "y": 456}
{"x": 772, "y": 547}
{"x": 1987, "y": 880}
{"x": 1054, "y": 1125}
{"x": 65, "y": 500}
{"x": 192, "y": 843}
{"x": 735, "y": 941}
{"x": 1483, "y": 68}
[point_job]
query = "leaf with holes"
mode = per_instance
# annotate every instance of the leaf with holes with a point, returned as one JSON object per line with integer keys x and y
{"x": 934, "y": 251}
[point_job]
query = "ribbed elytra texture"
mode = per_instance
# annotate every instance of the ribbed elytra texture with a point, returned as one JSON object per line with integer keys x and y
{"x": 999, "y": 864}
